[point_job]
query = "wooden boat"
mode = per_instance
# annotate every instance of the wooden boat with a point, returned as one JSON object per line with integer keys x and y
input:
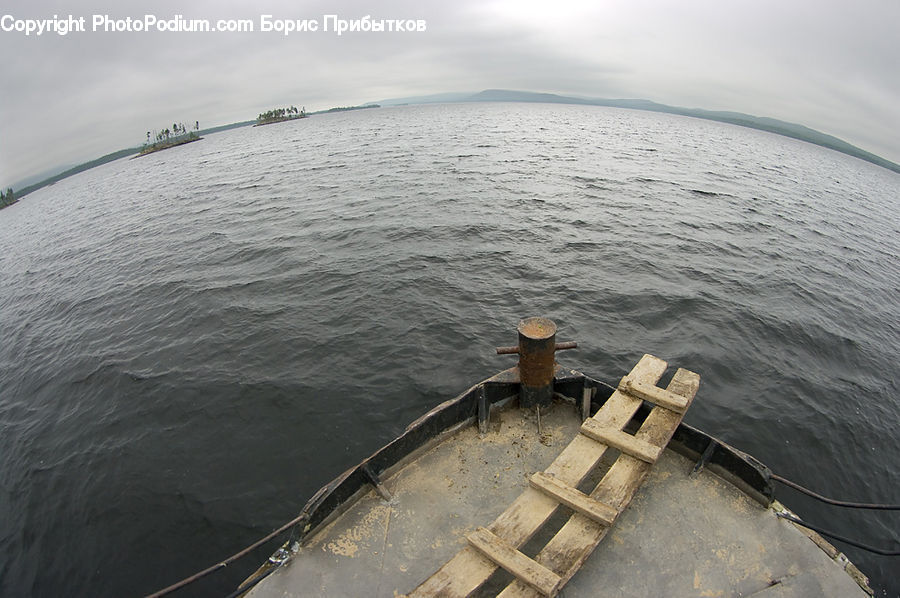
{"x": 520, "y": 487}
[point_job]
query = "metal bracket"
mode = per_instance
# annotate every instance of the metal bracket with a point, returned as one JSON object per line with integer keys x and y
{"x": 484, "y": 411}
{"x": 375, "y": 481}
{"x": 704, "y": 458}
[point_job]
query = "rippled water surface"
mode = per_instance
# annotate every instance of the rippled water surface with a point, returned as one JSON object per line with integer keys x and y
{"x": 193, "y": 342}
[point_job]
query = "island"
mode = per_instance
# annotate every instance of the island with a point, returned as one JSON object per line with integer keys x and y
{"x": 177, "y": 135}
{"x": 278, "y": 115}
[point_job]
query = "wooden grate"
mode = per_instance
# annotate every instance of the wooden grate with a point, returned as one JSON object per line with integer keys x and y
{"x": 498, "y": 544}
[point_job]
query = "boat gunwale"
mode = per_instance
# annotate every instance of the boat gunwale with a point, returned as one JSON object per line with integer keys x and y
{"x": 740, "y": 469}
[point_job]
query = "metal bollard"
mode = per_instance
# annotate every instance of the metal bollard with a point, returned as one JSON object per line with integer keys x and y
{"x": 537, "y": 363}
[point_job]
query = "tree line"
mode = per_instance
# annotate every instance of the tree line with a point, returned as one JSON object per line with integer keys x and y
{"x": 177, "y": 130}
{"x": 277, "y": 114}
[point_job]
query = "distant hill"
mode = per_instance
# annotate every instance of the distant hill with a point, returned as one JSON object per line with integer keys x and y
{"x": 771, "y": 125}
{"x": 42, "y": 176}
{"x": 20, "y": 193}
{"x": 435, "y": 98}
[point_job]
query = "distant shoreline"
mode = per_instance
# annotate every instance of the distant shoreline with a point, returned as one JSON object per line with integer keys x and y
{"x": 770, "y": 125}
{"x": 346, "y": 108}
{"x": 774, "y": 126}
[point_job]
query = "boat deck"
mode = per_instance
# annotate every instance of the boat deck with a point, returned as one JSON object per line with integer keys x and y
{"x": 682, "y": 535}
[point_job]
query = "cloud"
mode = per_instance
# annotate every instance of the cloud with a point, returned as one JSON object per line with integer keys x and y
{"x": 828, "y": 65}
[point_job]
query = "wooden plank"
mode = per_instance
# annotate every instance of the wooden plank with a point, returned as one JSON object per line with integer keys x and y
{"x": 524, "y": 568}
{"x": 622, "y": 441}
{"x": 574, "y": 498}
{"x": 572, "y": 545}
{"x": 654, "y": 394}
{"x": 469, "y": 569}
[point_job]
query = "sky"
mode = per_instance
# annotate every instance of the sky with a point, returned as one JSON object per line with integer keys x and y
{"x": 831, "y": 65}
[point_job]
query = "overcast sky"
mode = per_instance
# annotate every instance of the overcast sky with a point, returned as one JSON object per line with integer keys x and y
{"x": 829, "y": 64}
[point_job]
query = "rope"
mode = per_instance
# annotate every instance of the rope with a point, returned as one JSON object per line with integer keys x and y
{"x": 834, "y": 536}
{"x": 229, "y": 560}
{"x": 831, "y": 501}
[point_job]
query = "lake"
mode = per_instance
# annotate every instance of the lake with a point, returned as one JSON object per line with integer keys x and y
{"x": 194, "y": 341}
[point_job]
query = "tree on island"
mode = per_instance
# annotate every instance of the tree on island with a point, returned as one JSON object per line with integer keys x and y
{"x": 280, "y": 114}
{"x": 8, "y": 198}
{"x": 170, "y": 136}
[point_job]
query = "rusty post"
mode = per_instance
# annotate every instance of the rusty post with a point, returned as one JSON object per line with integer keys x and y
{"x": 537, "y": 348}
{"x": 537, "y": 363}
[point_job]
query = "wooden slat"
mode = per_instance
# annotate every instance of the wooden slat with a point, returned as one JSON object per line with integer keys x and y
{"x": 469, "y": 569}
{"x": 574, "y": 498}
{"x": 622, "y": 441}
{"x": 654, "y": 394}
{"x": 580, "y": 535}
{"x": 524, "y": 568}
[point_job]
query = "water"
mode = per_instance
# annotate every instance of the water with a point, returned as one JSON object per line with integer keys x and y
{"x": 194, "y": 341}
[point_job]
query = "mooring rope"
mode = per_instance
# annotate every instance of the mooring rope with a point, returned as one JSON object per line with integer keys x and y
{"x": 837, "y": 503}
{"x": 832, "y": 501}
{"x": 844, "y": 539}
